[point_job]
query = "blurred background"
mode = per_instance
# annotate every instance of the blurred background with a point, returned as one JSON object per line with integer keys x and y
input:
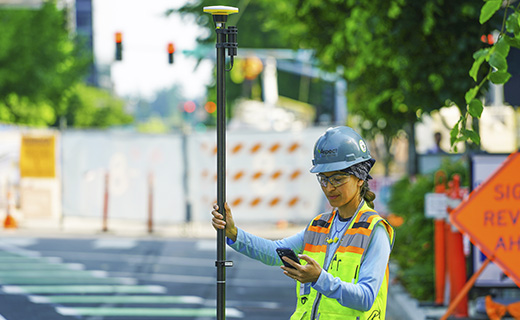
{"x": 108, "y": 115}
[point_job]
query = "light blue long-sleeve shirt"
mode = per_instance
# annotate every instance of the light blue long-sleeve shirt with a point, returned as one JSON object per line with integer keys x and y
{"x": 359, "y": 296}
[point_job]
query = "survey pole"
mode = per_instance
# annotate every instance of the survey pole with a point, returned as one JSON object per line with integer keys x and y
{"x": 226, "y": 39}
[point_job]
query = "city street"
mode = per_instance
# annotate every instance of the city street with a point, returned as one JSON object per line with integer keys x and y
{"x": 124, "y": 278}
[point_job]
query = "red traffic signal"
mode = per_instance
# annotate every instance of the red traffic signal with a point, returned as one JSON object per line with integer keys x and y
{"x": 119, "y": 46}
{"x": 171, "y": 51}
{"x": 489, "y": 39}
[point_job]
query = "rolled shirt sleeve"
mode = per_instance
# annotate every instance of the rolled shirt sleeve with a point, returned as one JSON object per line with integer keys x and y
{"x": 264, "y": 250}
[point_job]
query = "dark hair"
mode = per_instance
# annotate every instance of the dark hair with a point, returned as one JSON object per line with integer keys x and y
{"x": 368, "y": 195}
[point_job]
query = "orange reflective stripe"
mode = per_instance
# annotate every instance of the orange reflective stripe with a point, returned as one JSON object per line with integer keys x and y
{"x": 312, "y": 248}
{"x": 350, "y": 249}
{"x": 371, "y": 218}
{"x": 389, "y": 229}
{"x": 363, "y": 231}
{"x": 318, "y": 229}
{"x": 361, "y": 212}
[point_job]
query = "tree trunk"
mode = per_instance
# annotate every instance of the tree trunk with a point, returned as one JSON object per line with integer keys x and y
{"x": 412, "y": 152}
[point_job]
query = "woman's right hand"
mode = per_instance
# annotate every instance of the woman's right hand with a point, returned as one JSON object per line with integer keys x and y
{"x": 219, "y": 224}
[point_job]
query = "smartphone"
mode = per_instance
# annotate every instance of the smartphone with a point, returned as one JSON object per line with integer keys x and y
{"x": 287, "y": 252}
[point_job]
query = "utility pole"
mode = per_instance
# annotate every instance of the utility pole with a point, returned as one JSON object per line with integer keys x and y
{"x": 226, "y": 39}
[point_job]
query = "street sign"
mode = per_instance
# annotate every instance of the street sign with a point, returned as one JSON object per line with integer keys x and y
{"x": 490, "y": 217}
{"x": 436, "y": 205}
{"x": 38, "y": 156}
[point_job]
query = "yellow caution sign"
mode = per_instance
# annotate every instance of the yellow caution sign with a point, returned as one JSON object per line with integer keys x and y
{"x": 38, "y": 157}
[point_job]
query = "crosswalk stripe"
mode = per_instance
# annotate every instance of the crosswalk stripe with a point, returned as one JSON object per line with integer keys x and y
{"x": 18, "y": 259}
{"x": 83, "y": 289}
{"x": 147, "y": 312}
{"x": 52, "y": 273}
{"x": 41, "y": 266}
{"x": 66, "y": 280}
{"x": 139, "y": 299}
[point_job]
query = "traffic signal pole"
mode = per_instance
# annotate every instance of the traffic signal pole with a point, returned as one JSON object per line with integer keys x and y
{"x": 226, "y": 38}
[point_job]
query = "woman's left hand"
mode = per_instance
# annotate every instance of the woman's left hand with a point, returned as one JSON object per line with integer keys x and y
{"x": 303, "y": 273}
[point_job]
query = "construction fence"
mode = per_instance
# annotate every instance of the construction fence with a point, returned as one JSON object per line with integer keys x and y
{"x": 49, "y": 176}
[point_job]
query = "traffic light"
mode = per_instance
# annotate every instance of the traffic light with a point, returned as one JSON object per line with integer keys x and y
{"x": 489, "y": 39}
{"x": 119, "y": 46}
{"x": 171, "y": 50}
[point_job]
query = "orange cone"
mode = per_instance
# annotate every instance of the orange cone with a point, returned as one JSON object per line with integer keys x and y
{"x": 494, "y": 310}
{"x": 10, "y": 222}
{"x": 514, "y": 310}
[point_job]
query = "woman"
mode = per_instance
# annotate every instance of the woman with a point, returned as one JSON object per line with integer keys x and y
{"x": 344, "y": 253}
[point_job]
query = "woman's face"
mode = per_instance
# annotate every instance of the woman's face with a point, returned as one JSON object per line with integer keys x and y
{"x": 340, "y": 188}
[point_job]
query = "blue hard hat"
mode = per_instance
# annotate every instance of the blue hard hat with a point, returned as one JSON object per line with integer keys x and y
{"x": 339, "y": 148}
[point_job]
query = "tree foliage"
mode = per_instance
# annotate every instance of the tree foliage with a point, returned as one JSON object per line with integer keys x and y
{"x": 415, "y": 250}
{"x": 89, "y": 107}
{"x": 401, "y": 58}
{"x": 38, "y": 64}
{"x": 493, "y": 59}
{"x": 41, "y": 68}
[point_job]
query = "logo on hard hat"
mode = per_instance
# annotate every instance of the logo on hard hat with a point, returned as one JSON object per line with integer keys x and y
{"x": 362, "y": 146}
{"x": 328, "y": 152}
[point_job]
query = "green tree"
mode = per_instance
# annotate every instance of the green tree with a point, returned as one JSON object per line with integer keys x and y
{"x": 89, "y": 107}
{"x": 493, "y": 59}
{"x": 41, "y": 73}
{"x": 401, "y": 58}
{"x": 39, "y": 63}
{"x": 415, "y": 252}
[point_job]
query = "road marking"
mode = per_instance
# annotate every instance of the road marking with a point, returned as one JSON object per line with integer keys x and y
{"x": 12, "y": 254}
{"x": 148, "y": 299}
{"x": 147, "y": 312}
{"x": 18, "y": 242}
{"x": 41, "y": 266}
{"x": 18, "y": 259}
{"x": 135, "y": 258}
{"x": 52, "y": 273}
{"x": 67, "y": 280}
{"x": 175, "y": 278}
{"x": 83, "y": 289}
{"x": 139, "y": 299}
{"x": 114, "y": 243}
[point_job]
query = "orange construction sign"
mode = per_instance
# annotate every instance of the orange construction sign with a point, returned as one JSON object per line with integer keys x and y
{"x": 490, "y": 216}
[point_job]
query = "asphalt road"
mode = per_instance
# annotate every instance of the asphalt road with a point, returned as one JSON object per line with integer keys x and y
{"x": 139, "y": 279}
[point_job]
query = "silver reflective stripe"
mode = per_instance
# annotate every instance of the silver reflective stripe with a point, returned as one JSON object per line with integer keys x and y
{"x": 315, "y": 306}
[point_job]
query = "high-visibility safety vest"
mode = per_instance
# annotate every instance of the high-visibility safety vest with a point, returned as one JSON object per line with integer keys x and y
{"x": 345, "y": 265}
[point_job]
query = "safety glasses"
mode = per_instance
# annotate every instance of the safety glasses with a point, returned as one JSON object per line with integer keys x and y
{"x": 336, "y": 180}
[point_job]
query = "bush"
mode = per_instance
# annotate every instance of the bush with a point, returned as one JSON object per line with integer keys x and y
{"x": 414, "y": 247}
